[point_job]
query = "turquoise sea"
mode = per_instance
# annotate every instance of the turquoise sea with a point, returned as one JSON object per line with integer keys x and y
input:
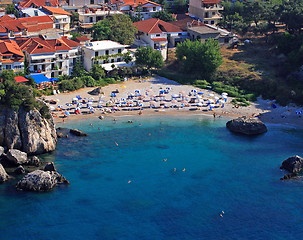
{"x": 224, "y": 172}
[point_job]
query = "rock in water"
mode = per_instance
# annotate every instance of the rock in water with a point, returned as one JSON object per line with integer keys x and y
{"x": 27, "y": 131}
{"x": 289, "y": 176}
{"x": 245, "y": 125}
{"x": 38, "y": 133}
{"x": 16, "y": 157}
{"x": 293, "y": 164}
{"x": 1, "y": 150}
{"x": 50, "y": 167}
{"x": 77, "y": 132}
{"x": 33, "y": 161}
{"x": 40, "y": 181}
{"x": 3, "y": 175}
{"x": 19, "y": 170}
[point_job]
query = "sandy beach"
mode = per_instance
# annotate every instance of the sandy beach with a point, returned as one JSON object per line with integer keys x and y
{"x": 161, "y": 96}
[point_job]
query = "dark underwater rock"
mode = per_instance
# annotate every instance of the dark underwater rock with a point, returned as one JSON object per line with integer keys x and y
{"x": 293, "y": 164}
{"x": 78, "y": 133}
{"x": 246, "y": 125}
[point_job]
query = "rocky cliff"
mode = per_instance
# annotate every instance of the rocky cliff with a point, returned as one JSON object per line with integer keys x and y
{"x": 27, "y": 131}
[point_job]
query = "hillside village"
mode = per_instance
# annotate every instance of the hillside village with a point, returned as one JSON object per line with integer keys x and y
{"x": 41, "y": 36}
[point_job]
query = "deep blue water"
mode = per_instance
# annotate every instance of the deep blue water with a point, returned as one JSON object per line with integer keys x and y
{"x": 236, "y": 174}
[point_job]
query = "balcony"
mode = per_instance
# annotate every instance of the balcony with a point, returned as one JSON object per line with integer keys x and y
{"x": 212, "y": 8}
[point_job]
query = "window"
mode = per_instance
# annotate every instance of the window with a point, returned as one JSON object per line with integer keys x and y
{"x": 91, "y": 19}
{"x": 154, "y": 9}
{"x": 92, "y": 2}
{"x": 113, "y": 60}
{"x": 118, "y": 59}
{"x": 8, "y": 67}
{"x": 58, "y": 26}
{"x": 106, "y": 52}
{"x": 212, "y": 22}
{"x": 96, "y": 54}
{"x": 206, "y": 22}
{"x": 119, "y": 50}
{"x": 157, "y": 35}
{"x": 179, "y": 34}
{"x": 213, "y": 13}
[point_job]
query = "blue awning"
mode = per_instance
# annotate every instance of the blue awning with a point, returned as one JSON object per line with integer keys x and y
{"x": 39, "y": 78}
{"x": 55, "y": 79}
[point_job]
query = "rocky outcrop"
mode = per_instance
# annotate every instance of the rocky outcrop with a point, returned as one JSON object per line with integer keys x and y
{"x": 246, "y": 125}
{"x": 3, "y": 175}
{"x": 96, "y": 91}
{"x": 62, "y": 132}
{"x": 16, "y": 157}
{"x": 33, "y": 161}
{"x": 27, "y": 131}
{"x": 1, "y": 150}
{"x": 293, "y": 164}
{"x": 19, "y": 170}
{"x": 289, "y": 176}
{"x": 40, "y": 181}
{"x": 50, "y": 167}
{"x": 77, "y": 132}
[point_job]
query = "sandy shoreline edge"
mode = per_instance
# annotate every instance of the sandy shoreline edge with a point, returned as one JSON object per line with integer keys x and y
{"x": 264, "y": 109}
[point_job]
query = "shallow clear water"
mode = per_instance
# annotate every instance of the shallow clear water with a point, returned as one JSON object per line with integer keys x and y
{"x": 224, "y": 171}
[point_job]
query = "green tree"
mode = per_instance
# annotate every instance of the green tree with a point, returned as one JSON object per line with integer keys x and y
{"x": 180, "y": 6}
{"x": 292, "y": 15}
{"x": 201, "y": 59}
{"x": 118, "y": 28}
{"x": 97, "y": 72}
{"x": 10, "y": 9}
{"x": 127, "y": 57}
{"x": 164, "y": 16}
{"x": 149, "y": 57}
{"x": 74, "y": 18}
{"x": 78, "y": 69}
{"x": 75, "y": 35}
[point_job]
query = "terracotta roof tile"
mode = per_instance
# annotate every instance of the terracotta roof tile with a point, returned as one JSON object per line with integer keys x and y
{"x": 155, "y": 25}
{"x": 159, "y": 39}
{"x": 38, "y": 3}
{"x": 81, "y": 39}
{"x": 6, "y": 18}
{"x": 55, "y": 10}
{"x": 20, "y": 79}
{"x": 8, "y": 46}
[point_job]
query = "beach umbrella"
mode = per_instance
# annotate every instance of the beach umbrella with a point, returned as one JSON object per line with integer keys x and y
{"x": 52, "y": 108}
{"x": 221, "y": 101}
{"x": 123, "y": 86}
{"x": 193, "y": 90}
{"x": 211, "y": 95}
{"x": 224, "y": 93}
{"x": 199, "y": 104}
{"x": 200, "y": 93}
{"x": 67, "y": 113}
{"x": 174, "y": 95}
{"x": 174, "y": 101}
{"x": 211, "y": 101}
{"x": 216, "y": 98}
{"x": 183, "y": 101}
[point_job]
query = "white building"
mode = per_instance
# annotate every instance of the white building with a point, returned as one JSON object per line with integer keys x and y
{"x": 157, "y": 34}
{"x": 88, "y": 16}
{"x": 143, "y": 9}
{"x": 51, "y": 56}
{"x": 206, "y": 10}
{"x": 105, "y": 53}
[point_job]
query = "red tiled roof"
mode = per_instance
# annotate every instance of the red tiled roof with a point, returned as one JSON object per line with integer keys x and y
{"x": 134, "y": 3}
{"x": 81, "y": 39}
{"x": 159, "y": 39}
{"x": 36, "y": 45}
{"x": 55, "y": 10}
{"x": 38, "y": 23}
{"x": 211, "y": 1}
{"x": 183, "y": 21}
{"x": 6, "y": 18}
{"x": 20, "y": 79}
{"x": 155, "y": 25}
{"x": 8, "y": 46}
{"x": 38, "y": 3}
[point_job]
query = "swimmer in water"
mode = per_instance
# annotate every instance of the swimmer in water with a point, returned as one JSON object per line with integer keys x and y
{"x": 116, "y": 144}
{"x": 164, "y": 160}
{"x": 184, "y": 169}
{"x": 175, "y": 169}
{"x": 129, "y": 181}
